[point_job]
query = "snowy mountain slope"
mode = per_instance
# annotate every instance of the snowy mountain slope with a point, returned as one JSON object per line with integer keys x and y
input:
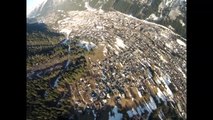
{"x": 110, "y": 62}
{"x": 165, "y": 12}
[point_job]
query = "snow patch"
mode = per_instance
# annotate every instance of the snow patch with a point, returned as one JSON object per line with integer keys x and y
{"x": 174, "y": 13}
{"x": 182, "y": 23}
{"x": 68, "y": 62}
{"x": 153, "y": 17}
{"x": 99, "y": 27}
{"x": 100, "y": 11}
{"x": 105, "y": 51}
{"x": 160, "y": 116}
{"x": 131, "y": 112}
{"x": 166, "y": 79}
{"x": 117, "y": 115}
{"x": 147, "y": 107}
{"x": 139, "y": 94}
{"x": 162, "y": 58}
{"x": 164, "y": 35}
{"x": 140, "y": 110}
{"x": 170, "y": 27}
{"x": 108, "y": 96}
{"x": 167, "y": 91}
{"x": 66, "y": 31}
{"x": 93, "y": 111}
{"x": 180, "y": 42}
{"x": 184, "y": 75}
{"x": 169, "y": 45}
{"x": 60, "y": 11}
{"x": 42, "y": 5}
{"x": 120, "y": 43}
{"x": 86, "y": 45}
{"x": 152, "y": 104}
{"x": 88, "y": 7}
{"x": 55, "y": 83}
{"x": 65, "y": 41}
{"x": 104, "y": 101}
{"x": 168, "y": 2}
{"x": 161, "y": 96}
{"x": 134, "y": 111}
{"x": 38, "y": 74}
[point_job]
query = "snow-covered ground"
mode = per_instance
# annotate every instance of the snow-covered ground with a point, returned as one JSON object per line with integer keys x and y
{"x": 99, "y": 27}
{"x": 167, "y": 80}
{"x": 139, "y": 93}
{"x": 149, "y": 74}
{"x": 180, "y": 42}
{"x": 60, "y": 11}
{"x": 164, "y": 35}
{"x": 119, "y": 42}
{"x": 117, "y": 115}
{"x": 38, "y": 74}
{"x": 174, "y": 13}
{"x": 86, "y": 45}
{"x": 105, "y": 51}
{"x": 161, "y": 95}
{"x": 69, "y": 48}
{"x": 162, "y": 58}
{"x": 100, "y": 10}
{"x": 160, "y": 115}
{"x": 94, "y": 114}
{"x": 184, "y": 75}
{"x": 182, "y": 23}
{"x": 88, "y": 7}
{"x": 56, "y": 81}
{"x": 42, "y": 4}
{"x": 66, "y": 31}
{"x": 65, "y": 41}
{"x": 167, "y": 2}
{"x": 158, "y": 81}
{"x": 132, "y": 112}
{"x": 147, "y": 107}
{"x": 152, "y": 103}
{"x": 169, "y": 45}
{"x": 67, "y": 63}
{"x": 170, "y": 27}
{"x": 167, "y": 90}
{"x": 150, "y": 106}
{"x": 140, "y": 110}
{"x": 152, "y": 17}
{"x": 108, "y": 96}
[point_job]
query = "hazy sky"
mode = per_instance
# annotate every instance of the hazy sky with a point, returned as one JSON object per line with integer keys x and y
{"x": 31, "y": 4}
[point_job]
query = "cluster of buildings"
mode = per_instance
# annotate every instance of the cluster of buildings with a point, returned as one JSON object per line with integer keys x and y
{"x": 143, "y": 64}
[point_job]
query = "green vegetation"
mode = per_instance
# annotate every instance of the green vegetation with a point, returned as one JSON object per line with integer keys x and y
{"x": 70, "y": 6}
{"x": 43, "y": 101}
{"x": 94, "y": 4}
{"x": 108, "y": 5}
{"x": 148, "y": 10}
{"x": 122, "y": 6}
{"x": 181, "y": 30}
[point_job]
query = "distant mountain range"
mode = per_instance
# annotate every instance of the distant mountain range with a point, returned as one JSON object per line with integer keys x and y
{"x": 170, "y": 13}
